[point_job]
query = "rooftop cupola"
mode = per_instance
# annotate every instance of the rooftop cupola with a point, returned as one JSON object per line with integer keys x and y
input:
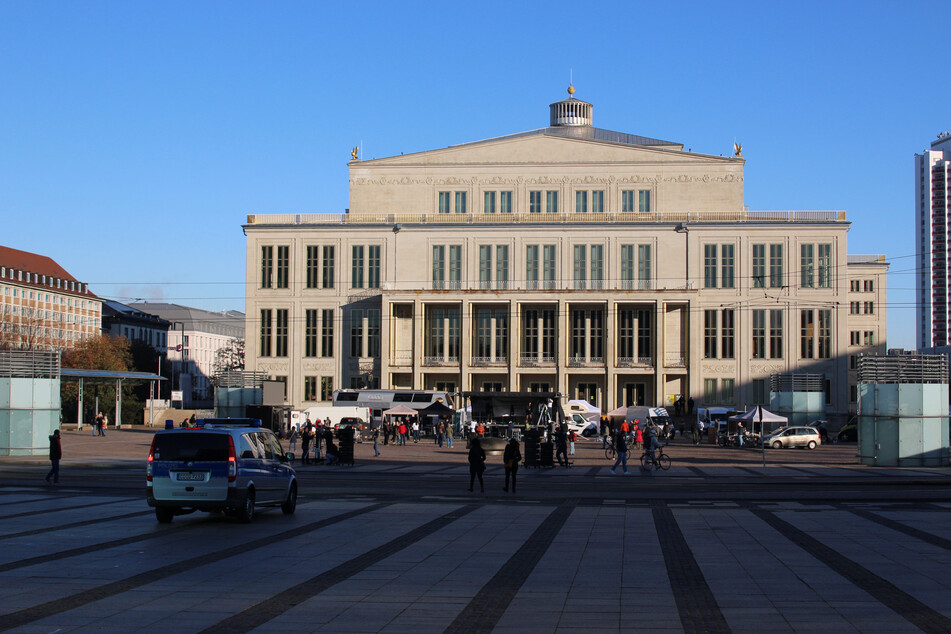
{"x": 571, "y": 111}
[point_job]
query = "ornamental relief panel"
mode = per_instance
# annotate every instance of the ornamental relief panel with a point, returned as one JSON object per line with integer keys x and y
{"x": 272, "y": 367}
{"x": 758, "y": 369}
{"x": 714, "y": 367}
{"x": 546, "y": 180}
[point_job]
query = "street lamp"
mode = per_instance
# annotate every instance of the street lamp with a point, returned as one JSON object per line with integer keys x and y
{"x": 181, "y": 356}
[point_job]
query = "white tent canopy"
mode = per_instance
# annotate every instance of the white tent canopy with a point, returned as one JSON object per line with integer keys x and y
{"x": 620, "y": 412}
{"x": 400, "y": 410}
{"x": 760, "y": 413}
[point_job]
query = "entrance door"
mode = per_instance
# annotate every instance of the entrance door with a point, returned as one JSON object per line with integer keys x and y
{"x": 634, "y": 393}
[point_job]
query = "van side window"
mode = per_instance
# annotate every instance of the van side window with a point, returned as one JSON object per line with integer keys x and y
{"x": 265, "y": 446}
{"x": 275, "y": 445}
{"x": 246, "y": 449}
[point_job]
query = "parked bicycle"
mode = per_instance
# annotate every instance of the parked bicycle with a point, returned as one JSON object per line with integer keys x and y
{"x": 660, "y": 461}
{"x": 610, "y": 452}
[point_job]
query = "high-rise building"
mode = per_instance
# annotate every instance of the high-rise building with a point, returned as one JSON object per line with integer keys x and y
{"x": 603, "y": 265}
{"x": 932, "y": 242}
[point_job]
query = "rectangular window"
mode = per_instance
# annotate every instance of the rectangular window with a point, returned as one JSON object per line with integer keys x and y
{"x": 807, "y": 265}
{"x": 776, "y": 334}
{"x": 356, "y": 333}
{"x": 310, "y": 388}
{"x": 776, "y": 265}
{"x": 710, "y": 334}
{"x": 625, "y": 340}
{"x": 531, "y": 266}
{"x": 727, "y": 266}
{"x": 313, "y": 266}
{"x": 551, "y": 202}
{"x": 265, "y": 332}
{"x": 628, "y": 201}
{"x": 548, "y": 266}
{"x": 311, "y": 328}
{"x": 326, "y": 388}
{"x": 581, "y": 202}
{"x": 267, "y": 266}
{"x": 806, "y": 335}
{"x": 580, "y": 266}
{"x": 373, "y": 332}
{"x": 709, "y": 391}
{"x": 455, "y": 266}
{"x": 327, "y": 274}
{"x": 327, "y": 333}
{"x": 534, "y": 202}
{"x": 578, "y": 335}
{"x": 644, "y": 200}
{"x": 445, "y": 202}
{"x": 505, "y": 202}
{"x": 502, "y": 266}
{"x": 855, "y": 286}
{"x": 868, "y": 338}
{"x": 759, "y": 266}
{"x": 283, "y": 264}
{"x": 597, "y": 201}
{"x": 824, "y": 267}
{"x": 357, "y": 265}
{"x": 439, "y": 266}
{"x": 759, "y": 334}
{"x": 488, "y": 202}
{"x": 280, "y": 333}
{"x": 761, "y": 391}
{"x": 644, "y": 335}
{"x": 373, "y": 266}
{"x": 825, "y": 333}
{"x": 867, "y": 285}
{"x": 727, "y": 391}
{"x": 485, "y": 266}
{"x": 628, "y": 268}
{"x": 461, "y": 203}
{"x": 644, "y": 266}
{"x": 868, "y": 308}
{"x": 709, "y": 266}
{"x": 854, "y": 338}
{"x": 727, "y": 333}
{"x": 596, "y": 266}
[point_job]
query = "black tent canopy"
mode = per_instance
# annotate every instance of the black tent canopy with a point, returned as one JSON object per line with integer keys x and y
{"x": 513, "y": 404}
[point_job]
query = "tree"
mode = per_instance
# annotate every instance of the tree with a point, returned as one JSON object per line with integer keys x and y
{"x": 24, "y": 328}
{"x": 230, "y": 357}
{"x": 99, "y": 353}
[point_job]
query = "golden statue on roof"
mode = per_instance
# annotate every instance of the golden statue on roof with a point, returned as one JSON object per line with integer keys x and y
{"x": 737, "y": 150}
{"x": 355, "y": 152}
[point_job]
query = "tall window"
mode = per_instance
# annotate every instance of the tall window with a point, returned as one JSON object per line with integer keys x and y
{"x": 628, "y": 201}
{"x": 327, "y": 274}
{"x": 310, "y": 388}
{"x": 326, "y": 388}
{"x": 357, "y": 266}
{"x": 373, "y": 332}
{"x": 776, "y": 334}
{"x": 491, "y": 334}
{"x": 443, "y": 329}
{"x": 538, "y": 334}
{"x": 709, "y": 391}
{"x": 807, "y": 334}
{"x": 502, "y": 266}
{"x": 644, "y": 266}
{"x": 311, "y": 331}
{"x": 531, "y": 266}
{"x": 551, "y": 202}
{"x": 597, "y": 201}
{"x": 709, "y": 266}
{"x": 596, "y": 266}
{"x": 445, "y": 202}
{"x": 824, "y": 268}
{"x": 461, "y": 203}
{"x": 313, "y": 266}
{"x": 373, "y": 266}
{"x": 644, "y": 200}
{"x": 759, "y": 334}
{"x": 283, "y": 264}
{"x": 727, "y": 266}
{"x": 327, "y": 333}
{"x": 548, "y": 266}
{"x": 815, "y": 337}
{"x": 267, "y": 266}
{"x": 759, "y": 266}
{"x": 589, "y": 201}
{"x": 455, "y": 266}
{"x": 581, "y": 202}
{"x": 776, "y": 265}
{"x": 444, "y": 269}
{"x": 727, "y": 390}
{"x": 580, "y": 266}
{"x": 807, "y": 265}
{"x": 534, "y": 202}
{"x": 587, "y": 335}
{"x": 727, "y": 333}
{"x": 356, "y": 333}
{"x": 452, "y": 202}
{"x": 266, "y": 332}
{"x": 485, "y": 266}
{"x": 710, "y": 334}
{"x": 439, "y": 266}
{"x": 280, "y": 333}
{"x": 628, "y": 266}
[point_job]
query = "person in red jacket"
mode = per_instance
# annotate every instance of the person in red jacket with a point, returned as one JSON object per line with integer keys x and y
{"x": 638, "y": 435}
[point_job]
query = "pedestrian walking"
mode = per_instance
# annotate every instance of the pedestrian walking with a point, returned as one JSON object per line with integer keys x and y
{"x": 620, "y": 445}
{"x": 476, "y": 463}
{"x": 386, "y": 433}
{"x": 449, "y": 434}
{"x": 561, "y": 444}
{"x": 306, "y": 437}
{"x": 56, "y": 454}
{"x": 105, "y": 423}
{"x": 638, "y": 435}
{"x": 415, "y": 432}
{"x": 510, "y": 459}
{"x": 376, "y": 442}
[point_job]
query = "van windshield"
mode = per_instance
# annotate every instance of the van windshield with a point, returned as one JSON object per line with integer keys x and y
{"x": 193, "y": 446}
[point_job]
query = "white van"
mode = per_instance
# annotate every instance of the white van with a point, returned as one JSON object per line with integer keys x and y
{"x": 656, "y": 415}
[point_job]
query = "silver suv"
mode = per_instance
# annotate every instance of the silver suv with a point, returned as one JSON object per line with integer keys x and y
{"x": 231, "y": 465}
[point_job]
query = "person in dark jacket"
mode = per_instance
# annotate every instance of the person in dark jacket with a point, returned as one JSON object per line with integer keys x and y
{"x": 620, "y": 445}
{"x": 561, "y": 446}
{"x": 510, "y": 458}
{"x": 56, "y": 453}
{"x": 476, "y": 462}
{"x": 305, "y": 437}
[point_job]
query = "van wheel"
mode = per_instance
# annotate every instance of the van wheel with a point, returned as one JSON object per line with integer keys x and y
{"x": 164, "y": 515}
{"x": 290, "y": 504}
{"x": 812, "y": 444}
{"x": 777, "y": 445}
{"x": 246, "y": 513}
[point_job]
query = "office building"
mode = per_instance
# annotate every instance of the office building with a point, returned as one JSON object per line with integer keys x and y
{"x": 932, "y": 215}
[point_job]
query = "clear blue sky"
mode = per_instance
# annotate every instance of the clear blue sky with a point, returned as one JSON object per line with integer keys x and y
{"x": 136, "y": 136}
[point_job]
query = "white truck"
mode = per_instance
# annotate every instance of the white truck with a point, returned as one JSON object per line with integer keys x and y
{"x": 323, "y": 412}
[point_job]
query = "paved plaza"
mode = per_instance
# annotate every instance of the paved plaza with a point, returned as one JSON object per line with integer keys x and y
{"x": 400, "y": 546}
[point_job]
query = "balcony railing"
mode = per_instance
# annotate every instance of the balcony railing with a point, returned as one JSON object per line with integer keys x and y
{"x": 635, "y": 362}
{"x": 490, "y": 361}
{"x": 441, "y": 361}
{"x": 533, "y": 361}
{"x": 674, "y": 361}
{"x": 585, "y": 362}
{"x": 635, "y": 217}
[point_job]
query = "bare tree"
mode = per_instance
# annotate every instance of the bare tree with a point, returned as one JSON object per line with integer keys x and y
{"x": 230, "y": 356}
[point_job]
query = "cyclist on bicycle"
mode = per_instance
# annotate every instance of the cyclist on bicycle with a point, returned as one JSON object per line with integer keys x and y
{"x": 653, "y": 443}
